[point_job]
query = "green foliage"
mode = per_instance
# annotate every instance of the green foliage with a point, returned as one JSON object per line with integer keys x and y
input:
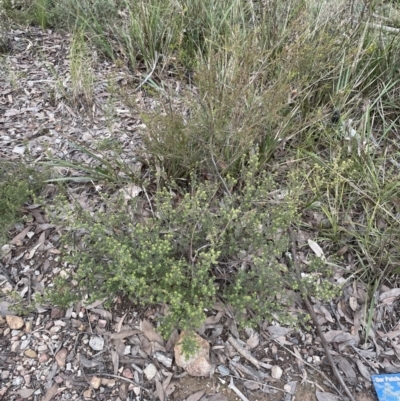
{"x": 19, "y": 305}
{"x": 18, "y": 184}
{"x": 198, "y": 247}
{"x": 189, "y": 344}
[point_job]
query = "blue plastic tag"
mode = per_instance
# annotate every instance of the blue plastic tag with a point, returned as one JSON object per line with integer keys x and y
{"x": 387, "y": 387}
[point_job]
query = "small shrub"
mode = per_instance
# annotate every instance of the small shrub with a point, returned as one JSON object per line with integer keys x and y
{"x": 198, "y": 247}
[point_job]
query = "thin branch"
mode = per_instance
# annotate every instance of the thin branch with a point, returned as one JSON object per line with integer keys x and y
{"x": 244, "y": 353}
{"x": 151, "y": 73}
{"x": 306, "y": 300}
{"x": 384, "y": 28}
{"x": 237, "y": 391}
{"x": 303, "y": 361}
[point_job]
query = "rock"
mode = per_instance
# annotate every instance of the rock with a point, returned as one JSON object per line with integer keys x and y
{"x": 276, "y": 372}
{"x": 127, "y": 373}
{"x": 28, "y": 326}
{"x": 30, "y": 353}
{"x": 96, "y": 343}
{"x": 43, "y": 358}
{"x": 55, "y": 329}
{"x": 95, "y": 382}
{"x": 150, "y": 371}
{"x": 61, "y": 356}
{"x": 15, "y": 346}
{"x": 102, "y": 323}
{"x": 87, "y": 394}
{"x": 5, "y": 374}
{"x": 14, "y": 322}
{"x": 57, "y": 313}
{"x": 27, "y": 379}
{"x": 108, "y": 382}
{"x": 223, "y": 370}
{"x": 197, "y": 364}
{"x": 17, "y": 381}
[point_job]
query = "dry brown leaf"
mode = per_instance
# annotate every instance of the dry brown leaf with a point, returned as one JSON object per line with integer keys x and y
{"x": 168, "y": 378}
{"x": 95, "y": 304}
{"x": 324, "y": 396}
{"x": 344, "y": 337}
{"x": 115, "y": 361}
{"x": 250, "y": 385}
{"x": 105, "y": 314}
{"x": 300, "y": 361}
{"x": 326, "y": 313}
{"x": 170, "y": 388}
{"x": 330, "y": 335}
{"x": 232, "y": 327}
{"x": 159, "y": 391}
{"x": 214, "y": 397}
{"x": 388, "y": 297}
{"x": 389, "y": 367}
{"x": 148, "y": 330}
{"x": 172, "y": 340}
{"x": 33, "y": 251}
{"x": 36, "y": 213}
{"x": 353, "y": 303}
{"x": 41, "y": 240}
{"x": 363, "y": 370}
{"x": 51, "y": 392}
{"x": 25, "y": 392}
{"x": 11, "y": 112}
{"x": 123, "y": 391}
{"x": 219, "y": 307}
{"x": 119, "y": 325}
{"x": 347, "y": 369}
{"x": 196, "y": 396}
{"x": 93, "y": 363}
{"x": 277, "y": 331}
{"x": 122, "y": 334}
{"x": 119, "y": 347}
{"x": 390, "y": 334}
{"x": 246, "y": 370}
{"x": 20, "y": 236}
{"x": 43, "y": 227}
{"x": 214, "y": 319}
{"x": 253, "y": 341}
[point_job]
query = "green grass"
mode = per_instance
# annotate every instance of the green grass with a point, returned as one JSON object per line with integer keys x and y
{"x": 18, "y": 184}
{"x": 265, "y": 79}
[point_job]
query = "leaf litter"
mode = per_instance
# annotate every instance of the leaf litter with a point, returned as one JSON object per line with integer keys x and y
{"x": 118, "y": 354}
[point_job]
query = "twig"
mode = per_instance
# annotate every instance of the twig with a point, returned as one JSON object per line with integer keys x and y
{"x": 303, "y": 361}
{"x": 124, "y": 378}
{"x": 243, "y": 352}
{"x": 90, "y": 383}
{"x": 151, "y": 73}
{"x": 9, "y": 279}
{"x": 314, "y": 318}
{"x": 254, "y": 381}
{"x": 384, "y": 28}
{"x": 237, "y": 391}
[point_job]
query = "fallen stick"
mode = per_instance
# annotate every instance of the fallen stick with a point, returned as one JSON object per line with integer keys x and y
{"x": 303, "y": 361}
{"x": 237, "y": 391}
{"x": 306, "y": 300}
{"x": 245, "y": 354}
